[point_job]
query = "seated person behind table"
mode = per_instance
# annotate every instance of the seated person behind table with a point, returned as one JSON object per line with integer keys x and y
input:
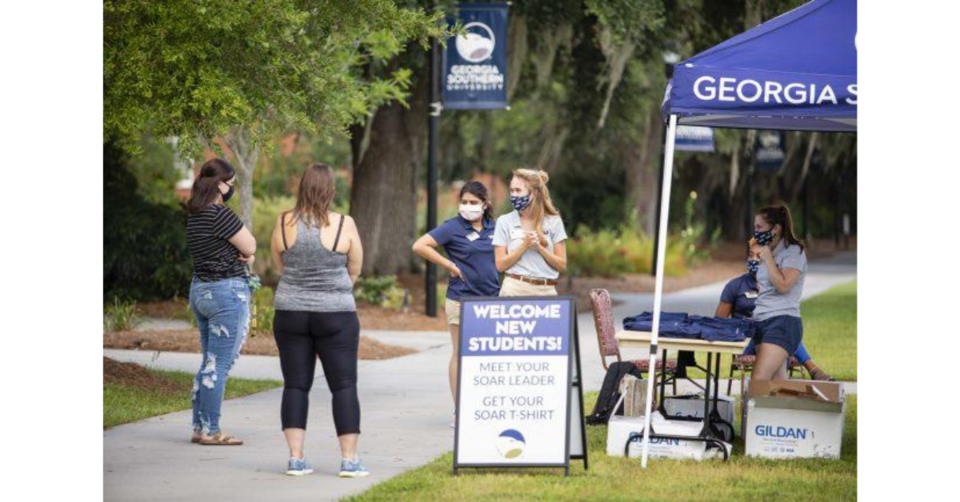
{"x": 738, "y": 299}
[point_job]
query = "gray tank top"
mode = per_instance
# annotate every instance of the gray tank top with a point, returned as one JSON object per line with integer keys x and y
{"x": 314, "y": 279}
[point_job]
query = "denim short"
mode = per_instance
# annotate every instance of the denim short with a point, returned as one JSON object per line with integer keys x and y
{"x": 785, "y": 331}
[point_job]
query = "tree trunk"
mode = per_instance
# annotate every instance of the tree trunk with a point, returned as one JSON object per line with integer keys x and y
{"x": 643, "y": 172}
{"x": 246, "y": 153}
{"x": 383, "y": 198}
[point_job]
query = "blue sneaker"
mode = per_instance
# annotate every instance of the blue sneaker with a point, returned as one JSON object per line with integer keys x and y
{"x": 353, "y": 469}
{"x": 299, "y": 467}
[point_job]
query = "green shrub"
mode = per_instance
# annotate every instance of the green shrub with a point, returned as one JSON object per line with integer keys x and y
{"x": 261, "y": 311}
{"x": 628, "y": 250}
{"x": 189, "y": 315}
{"x": 120, "y": 315}
{"x": 380, "y": 291}
{"x": 144, "y": 243}
{"x": 265, "y": 213}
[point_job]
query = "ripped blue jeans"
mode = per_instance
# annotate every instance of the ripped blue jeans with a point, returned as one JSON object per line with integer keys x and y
{"x": 223, "y": 317}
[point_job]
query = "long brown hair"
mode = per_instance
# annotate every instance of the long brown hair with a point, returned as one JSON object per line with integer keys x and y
{"x": 318, "y": 186}
{"x": 206, "y": 186}
{"x": 536, "y": 181}
{"x": 780, "y": 215}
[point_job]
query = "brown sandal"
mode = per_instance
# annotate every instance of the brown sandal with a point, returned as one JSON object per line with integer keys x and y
{"x": 220, "y": 439}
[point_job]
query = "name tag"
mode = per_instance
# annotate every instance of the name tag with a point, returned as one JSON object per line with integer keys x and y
{"x": 517, "y": 234}
{"x": 472, "y": 236}
{"x": 751, "y": 294}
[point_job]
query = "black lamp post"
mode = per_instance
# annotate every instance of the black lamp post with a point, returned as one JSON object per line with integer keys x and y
{"x": 670, "y": 58}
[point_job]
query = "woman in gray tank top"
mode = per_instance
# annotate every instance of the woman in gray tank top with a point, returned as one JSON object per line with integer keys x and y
{"x": 319, "y": 255}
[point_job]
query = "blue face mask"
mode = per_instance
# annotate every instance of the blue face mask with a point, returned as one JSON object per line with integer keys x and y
{"x": 520, "y": 203}
{"x": 753, "y": 266}
{"x": 763, "y": 238}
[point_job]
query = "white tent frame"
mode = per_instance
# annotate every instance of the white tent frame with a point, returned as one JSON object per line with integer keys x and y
{"x": 658, "y": 289}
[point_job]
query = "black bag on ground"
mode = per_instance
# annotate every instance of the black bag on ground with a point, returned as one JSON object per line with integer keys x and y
{"x": 610, "y": 391}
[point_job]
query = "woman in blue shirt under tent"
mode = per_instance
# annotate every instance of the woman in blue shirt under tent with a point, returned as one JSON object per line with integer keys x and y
{"x": 467, "y": 240}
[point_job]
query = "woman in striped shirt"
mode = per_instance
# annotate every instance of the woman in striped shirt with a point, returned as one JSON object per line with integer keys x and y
{"x": 220, "y": 247}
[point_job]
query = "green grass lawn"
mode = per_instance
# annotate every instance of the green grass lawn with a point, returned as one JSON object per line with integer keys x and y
{"x": 615, "y": 479}
{"x": 830, "y": 330}
{"x": 123, "y": 403}
{"x": 829, "y": 333}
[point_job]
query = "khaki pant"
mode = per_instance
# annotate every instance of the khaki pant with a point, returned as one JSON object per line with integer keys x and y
{"x": 453, "y": 312}
{"x": 513, "y": 287}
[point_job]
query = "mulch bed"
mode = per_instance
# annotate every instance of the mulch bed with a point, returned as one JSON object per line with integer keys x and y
{"x": 169, "y": 309}
{"x": 187, "y": 340}
{"x": 413, "y": 320}
{"x": 134, "y": 375}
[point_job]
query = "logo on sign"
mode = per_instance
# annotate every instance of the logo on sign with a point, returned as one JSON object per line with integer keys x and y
{"x": 665, "y": 441}
{"x": 511, "y": 443}
{"x": 477, "y": 43}
{"x": 781, "y": 432}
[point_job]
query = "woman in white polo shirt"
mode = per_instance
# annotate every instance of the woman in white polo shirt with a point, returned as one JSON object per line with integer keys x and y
{"x": 529, "y": 241}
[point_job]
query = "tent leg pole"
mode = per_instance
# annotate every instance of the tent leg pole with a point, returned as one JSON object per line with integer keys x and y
{"x": 658, "y": 291}
{"x": 656, "y": 235}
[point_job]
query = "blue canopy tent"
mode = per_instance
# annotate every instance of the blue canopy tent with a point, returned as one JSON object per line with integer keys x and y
{"x": 797, "y": 71}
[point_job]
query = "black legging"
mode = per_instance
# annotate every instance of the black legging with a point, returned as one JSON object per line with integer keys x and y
{"x": 335, "y": 337}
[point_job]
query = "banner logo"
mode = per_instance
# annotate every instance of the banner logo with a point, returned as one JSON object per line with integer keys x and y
{"x": 476, "y": 46}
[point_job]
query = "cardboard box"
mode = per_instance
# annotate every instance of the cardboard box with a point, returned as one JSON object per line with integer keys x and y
{"x": 619, "y": 430}
{"x": 692, "y": 406}
{"x": 634, "y": 392}
{"x": 794, "y": 419}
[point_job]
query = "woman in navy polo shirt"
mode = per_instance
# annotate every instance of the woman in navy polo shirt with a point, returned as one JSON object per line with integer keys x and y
{"x": 468, "y": 242}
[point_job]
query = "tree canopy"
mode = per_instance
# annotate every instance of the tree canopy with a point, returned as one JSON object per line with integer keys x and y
{"x": 198, "y": 69}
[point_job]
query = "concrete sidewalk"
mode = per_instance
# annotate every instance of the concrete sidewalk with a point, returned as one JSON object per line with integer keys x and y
{"x": 407, "y": 410}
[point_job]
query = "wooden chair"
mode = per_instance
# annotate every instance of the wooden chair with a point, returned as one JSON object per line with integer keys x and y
{"x": 606, "y": 338}
{"x": 744, "y": 363}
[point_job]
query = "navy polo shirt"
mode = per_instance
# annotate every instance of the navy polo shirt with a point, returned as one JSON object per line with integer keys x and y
{"x": 742, "y": 294}
{"x": 472, "y": 252}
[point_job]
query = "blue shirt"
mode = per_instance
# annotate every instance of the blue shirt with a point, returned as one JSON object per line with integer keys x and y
{"x": 742, "y": 294}
{"x": 472, "y": 253}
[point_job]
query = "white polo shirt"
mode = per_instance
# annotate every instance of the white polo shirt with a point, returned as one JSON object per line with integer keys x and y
{"x": 531, "y": 264}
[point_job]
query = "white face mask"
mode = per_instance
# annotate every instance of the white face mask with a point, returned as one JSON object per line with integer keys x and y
{"x": 471, "y": 212}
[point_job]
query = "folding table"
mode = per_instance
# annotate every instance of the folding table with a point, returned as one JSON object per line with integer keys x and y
{"x": 641, "y": 340}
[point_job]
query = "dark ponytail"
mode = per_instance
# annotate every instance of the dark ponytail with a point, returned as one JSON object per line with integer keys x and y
{"x": 206, "y": 186}
{"x": 479, "y": 190}
{"x": 780, "y": 215}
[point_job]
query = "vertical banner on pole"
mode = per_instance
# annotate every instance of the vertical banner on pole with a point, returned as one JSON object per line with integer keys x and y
{"x": 519, "y": 397}
{"x": 475, "y": 62}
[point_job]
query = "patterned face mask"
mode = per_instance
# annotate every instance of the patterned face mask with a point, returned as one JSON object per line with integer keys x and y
{"x": 763, "y": 238}
{"x": 520, "y": 203}
{"x": 753, "y": 266}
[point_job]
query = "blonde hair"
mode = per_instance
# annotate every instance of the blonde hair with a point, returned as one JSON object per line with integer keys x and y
{"x": 536, "y": 181}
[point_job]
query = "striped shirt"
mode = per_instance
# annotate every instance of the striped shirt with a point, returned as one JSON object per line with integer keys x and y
{"x": 214, "y": 258}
